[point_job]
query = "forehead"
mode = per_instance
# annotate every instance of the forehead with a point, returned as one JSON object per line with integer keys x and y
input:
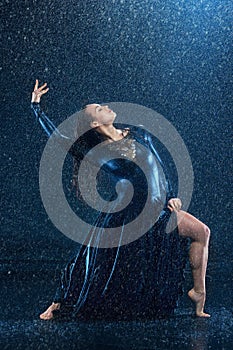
{"x": 92, "y": 107}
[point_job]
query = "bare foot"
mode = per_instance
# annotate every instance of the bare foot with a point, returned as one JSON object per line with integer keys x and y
{"x": 48, "y": 314}
{"x": 199, "y": 300}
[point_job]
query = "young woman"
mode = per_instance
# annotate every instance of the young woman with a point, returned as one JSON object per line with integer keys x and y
{"x": 134, "y": 277}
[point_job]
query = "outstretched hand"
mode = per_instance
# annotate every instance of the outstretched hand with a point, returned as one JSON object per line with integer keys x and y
{"x": 174, "y": 204}
{"x": 38, "y": 92}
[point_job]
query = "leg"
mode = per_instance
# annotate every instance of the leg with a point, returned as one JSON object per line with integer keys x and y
{"x": 191, "y": 227}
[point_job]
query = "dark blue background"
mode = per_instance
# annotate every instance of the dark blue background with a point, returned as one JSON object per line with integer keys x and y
{"x": 172, "y": 56}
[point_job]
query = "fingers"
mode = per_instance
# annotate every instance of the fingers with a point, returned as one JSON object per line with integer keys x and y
{"x": 42, "y": 87}
{"x": 174, "y": 204}
{"x": 44, "y": 91}
{"x": 172, "y": 208}
{"x": 36, "y": 85}
{"x": 169, "y": 207}
{"x": 40, "y": 90}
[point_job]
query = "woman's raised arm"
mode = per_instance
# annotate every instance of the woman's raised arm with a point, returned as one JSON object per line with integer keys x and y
{"x": 45, "y": 122}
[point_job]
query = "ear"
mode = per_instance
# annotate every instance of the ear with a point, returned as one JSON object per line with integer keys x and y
{"x": 94, "y": 124}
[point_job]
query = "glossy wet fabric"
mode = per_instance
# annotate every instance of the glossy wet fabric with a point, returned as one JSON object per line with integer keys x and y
{"x": 140, "y": 279}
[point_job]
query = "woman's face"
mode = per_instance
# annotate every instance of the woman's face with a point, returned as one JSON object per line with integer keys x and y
{"x": 101, "y": 114}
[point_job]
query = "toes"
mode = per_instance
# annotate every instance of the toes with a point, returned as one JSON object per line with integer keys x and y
{"x": 203, "y": 314}
{"x": 46, "y": 316}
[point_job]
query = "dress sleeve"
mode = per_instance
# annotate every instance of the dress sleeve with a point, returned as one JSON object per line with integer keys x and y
{"x": 65, "y": 142}
{"x": 169, "y": 187}
{"x": 45, "y": 122}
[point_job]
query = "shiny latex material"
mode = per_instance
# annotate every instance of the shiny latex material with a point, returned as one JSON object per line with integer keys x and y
{"x": 141, "y": 279}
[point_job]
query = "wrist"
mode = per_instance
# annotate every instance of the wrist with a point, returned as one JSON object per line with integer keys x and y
{"x": 35, "y": 98}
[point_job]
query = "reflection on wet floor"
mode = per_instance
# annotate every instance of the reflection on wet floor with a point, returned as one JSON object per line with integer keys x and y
{"x": 24, "y": 297}
{"x": 175, "y": 333}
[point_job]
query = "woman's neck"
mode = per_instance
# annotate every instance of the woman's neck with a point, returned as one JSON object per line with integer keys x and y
{"x": 110, "y": 132}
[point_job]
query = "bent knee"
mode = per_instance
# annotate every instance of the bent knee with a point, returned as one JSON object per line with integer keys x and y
{"x": 206, "y": 233}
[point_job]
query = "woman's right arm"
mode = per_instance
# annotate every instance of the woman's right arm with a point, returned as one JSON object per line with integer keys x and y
{"x": 46, "y": 123}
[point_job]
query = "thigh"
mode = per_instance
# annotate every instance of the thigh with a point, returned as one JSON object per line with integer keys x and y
{"x": 189, "y": 226}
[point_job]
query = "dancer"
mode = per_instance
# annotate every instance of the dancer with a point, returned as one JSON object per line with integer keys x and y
{"x": 75, "y": 294}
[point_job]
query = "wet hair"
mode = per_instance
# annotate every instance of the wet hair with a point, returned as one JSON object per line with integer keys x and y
{"x": 86, "y": 138}
{"x": 83, "y": 122}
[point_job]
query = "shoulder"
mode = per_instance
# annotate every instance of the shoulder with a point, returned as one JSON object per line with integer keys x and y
{"x": 140, "y": 132}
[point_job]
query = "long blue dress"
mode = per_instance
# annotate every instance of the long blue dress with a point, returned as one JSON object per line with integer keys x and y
{"x": 140, "y": 279}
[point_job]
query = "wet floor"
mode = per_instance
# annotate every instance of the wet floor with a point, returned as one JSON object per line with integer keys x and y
{"x": 26, "y": 295}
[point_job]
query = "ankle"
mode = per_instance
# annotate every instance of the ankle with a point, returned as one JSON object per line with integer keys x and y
{"x": 199, "y": 291}
{"x": 56, "y": 305}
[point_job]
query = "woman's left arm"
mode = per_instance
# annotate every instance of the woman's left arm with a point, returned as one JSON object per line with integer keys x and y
{"x": 173, "y": 203}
